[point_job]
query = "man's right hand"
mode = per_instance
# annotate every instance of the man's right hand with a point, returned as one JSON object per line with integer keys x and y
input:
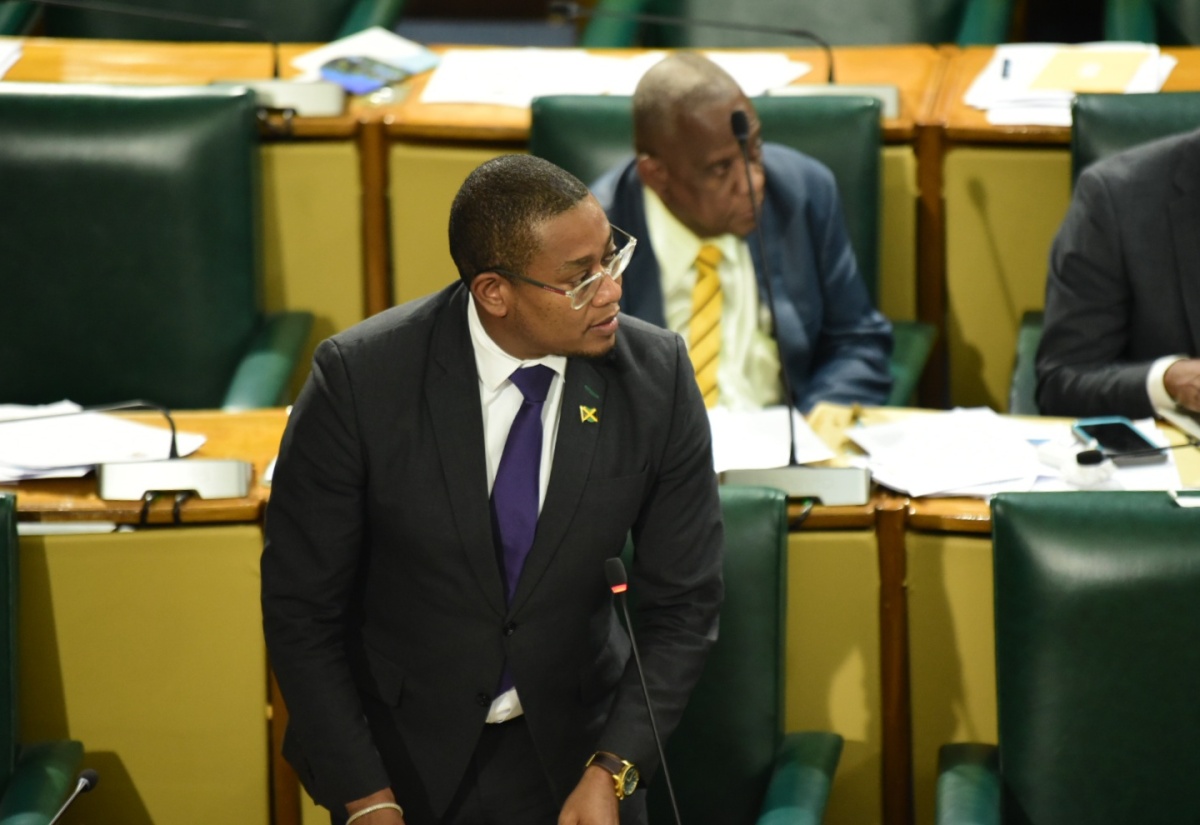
{"x": 384, "y": 816}
{"x": 1182, "y": 382}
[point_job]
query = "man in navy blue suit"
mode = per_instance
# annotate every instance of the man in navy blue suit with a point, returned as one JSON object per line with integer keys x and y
{"x": 685, "y": 197}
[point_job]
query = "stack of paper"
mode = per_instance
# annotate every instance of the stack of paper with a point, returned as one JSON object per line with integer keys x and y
{"x": 376, "y": 43}
{"x": 977, "y": 452}
{"x": 1035, "y": 83}
{"x": 514, "y": 77}
{"x": 41, "y": 442}
{"x": 758, "y": 439}
{"x": 10, "y": 53}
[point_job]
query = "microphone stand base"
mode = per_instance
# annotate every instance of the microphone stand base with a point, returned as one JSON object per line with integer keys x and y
{"x": 831, "y": 486}
{"x": 888, "y": 96}
{"x": 206, "y": 477}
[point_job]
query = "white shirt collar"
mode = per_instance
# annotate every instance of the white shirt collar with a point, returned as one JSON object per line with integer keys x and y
{"x": 493, "y": 364}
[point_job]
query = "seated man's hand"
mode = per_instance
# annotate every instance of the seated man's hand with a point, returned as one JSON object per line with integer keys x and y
{"x": 1182, "y": 381}
{"x": 593, "y": 802}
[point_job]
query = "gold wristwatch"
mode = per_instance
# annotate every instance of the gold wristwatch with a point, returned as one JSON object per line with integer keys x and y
{"x": 625, "y": 774}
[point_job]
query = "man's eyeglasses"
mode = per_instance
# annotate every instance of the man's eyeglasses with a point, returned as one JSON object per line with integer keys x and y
{"x": 582, "y": 294}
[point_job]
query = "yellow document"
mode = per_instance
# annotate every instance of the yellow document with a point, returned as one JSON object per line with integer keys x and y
{"x": 1090, "y": 70}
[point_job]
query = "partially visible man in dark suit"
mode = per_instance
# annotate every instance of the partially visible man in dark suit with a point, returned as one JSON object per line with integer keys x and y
{"x": 1122, "y": 325}
{"x": 685, "y": 195}
{"x": 452, "y": 480}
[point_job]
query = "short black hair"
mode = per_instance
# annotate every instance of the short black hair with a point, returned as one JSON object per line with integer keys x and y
{"x": 498, "y": 207}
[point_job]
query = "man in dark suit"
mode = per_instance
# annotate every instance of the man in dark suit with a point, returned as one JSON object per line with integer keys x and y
{"x": 685, "y": 196}
{"x": 429, "y": 660}
{"x": 1122, "y": 325}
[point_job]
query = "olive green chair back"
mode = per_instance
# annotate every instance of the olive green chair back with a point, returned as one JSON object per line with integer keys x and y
{"x": 1167, "y": 22}
{"x": 1106, "y": 124}
{"x": 587, "y": 135}
{"x": 859, "y": 22}
{"x": 1097, "y": 664}
{"x": 727, "y": 754}
{"x": 306, "y": 21}
{"x": 131, "y": 230}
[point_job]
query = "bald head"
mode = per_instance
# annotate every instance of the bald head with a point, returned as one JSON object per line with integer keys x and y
{"x": 677, "y": 86}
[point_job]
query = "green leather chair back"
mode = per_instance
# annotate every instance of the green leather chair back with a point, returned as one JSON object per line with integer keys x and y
{"x": 861, "y": 22}
{"x": 1097, "y": 661}
{"x": 295, "y": 22}
{"x": 9, "y": 716}
{"x": 130, "y": 232}
{"x": 1022, "y": 391}
{"x": 722, "y": 753}
{"x": 1166, "y": 22}
{"x": 587, "y": 135}
{"x": 1107, "y": 124}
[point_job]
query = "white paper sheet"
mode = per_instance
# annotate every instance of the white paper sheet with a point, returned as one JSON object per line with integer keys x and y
{"x": 377, "y": 43}
{"x": 66, "y": 446}
{"x": 10, "y": 53}
{"x": 758, "y": 439}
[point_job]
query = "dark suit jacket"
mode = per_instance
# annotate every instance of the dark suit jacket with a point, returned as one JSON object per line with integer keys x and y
{"x": 383, "y": 601}
{"x": 1124, "y": 281}
{"x": 833, "y": 343}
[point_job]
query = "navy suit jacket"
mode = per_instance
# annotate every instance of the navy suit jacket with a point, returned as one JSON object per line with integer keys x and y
{"x": 833, "y": 343}
{"x": 383, "y": 601}
{"x": 1124, "y": 282}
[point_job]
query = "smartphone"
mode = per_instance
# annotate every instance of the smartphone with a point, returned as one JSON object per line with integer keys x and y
{"x": 1119, "y": 439}
{"x": 361, "y": 75}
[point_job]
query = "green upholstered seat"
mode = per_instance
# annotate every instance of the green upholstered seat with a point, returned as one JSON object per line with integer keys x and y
{"x": 1022, "y": 391}
{"x": 303, "y": 21}
{"x": 1106, "y": 124}
{"x": 587, "y": 135}
{"x": 1097, "y": 666}
{"x": 859, "y": 22}
{"x": 730, "y": 761}
{"x": 131, "y": 235}
{"x": 1167, "y": 22}
{"x": 35, "y": 778}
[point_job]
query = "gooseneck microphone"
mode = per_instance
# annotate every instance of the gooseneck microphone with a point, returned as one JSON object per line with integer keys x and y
{"x": 227, "y": 23}
{"x": 1097, "y": 455}
{"x": 570, "y": 12}
{"x": 88, "y": 779}
{"x": 740, "y": 122}
{"x": 618, "y": 582}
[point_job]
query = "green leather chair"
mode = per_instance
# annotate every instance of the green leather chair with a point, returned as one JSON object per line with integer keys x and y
{"x": 730, "y": 761}
{"x": 310, "y": 21}
{"x": 34, "y": 779}
{"x": 588, "y": 135}
{"x": 840, "y": 22}
{"x": 1097, "y": 667}
{"x": 130, "y": 232}
{"x": 1166, "y": 22}
{"x": 1106, "y": 124}
{"x": 1022, "y": 392}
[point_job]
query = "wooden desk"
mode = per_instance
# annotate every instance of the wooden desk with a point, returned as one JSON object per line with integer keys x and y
{"x": 147, "y": 645}
{"x": 999, "y": 196}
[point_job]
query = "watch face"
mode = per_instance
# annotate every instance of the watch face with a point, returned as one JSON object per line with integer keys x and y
{"x": 629, "y": 784}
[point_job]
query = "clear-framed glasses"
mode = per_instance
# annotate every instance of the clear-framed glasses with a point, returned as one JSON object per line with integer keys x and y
{"x": 582, "y": 293}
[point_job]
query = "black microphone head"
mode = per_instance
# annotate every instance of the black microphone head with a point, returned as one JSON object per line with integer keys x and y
{"x": 741, "y": 125}
{"x": 88, "y": 779}
{"x": 564, "y": 10}
{"x": 1089, "y": 458}
{"x": 614, "y": 571}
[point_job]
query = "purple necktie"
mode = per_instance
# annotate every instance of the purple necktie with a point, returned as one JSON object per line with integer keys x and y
{"x": 515, "y": 491}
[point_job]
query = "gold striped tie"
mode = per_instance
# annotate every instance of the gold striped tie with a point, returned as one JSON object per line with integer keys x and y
{"x": 704, "y": 328}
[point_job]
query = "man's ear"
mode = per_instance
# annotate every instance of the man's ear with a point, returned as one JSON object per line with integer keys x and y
{"x": 492, "y": 293}
{"x": 653, "y": 173}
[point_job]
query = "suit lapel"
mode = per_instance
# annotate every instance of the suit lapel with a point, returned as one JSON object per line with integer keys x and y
{"x": 1185, "y": 228}
{"x": 452, "y": 391}
{"x": 579, "y": 422}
